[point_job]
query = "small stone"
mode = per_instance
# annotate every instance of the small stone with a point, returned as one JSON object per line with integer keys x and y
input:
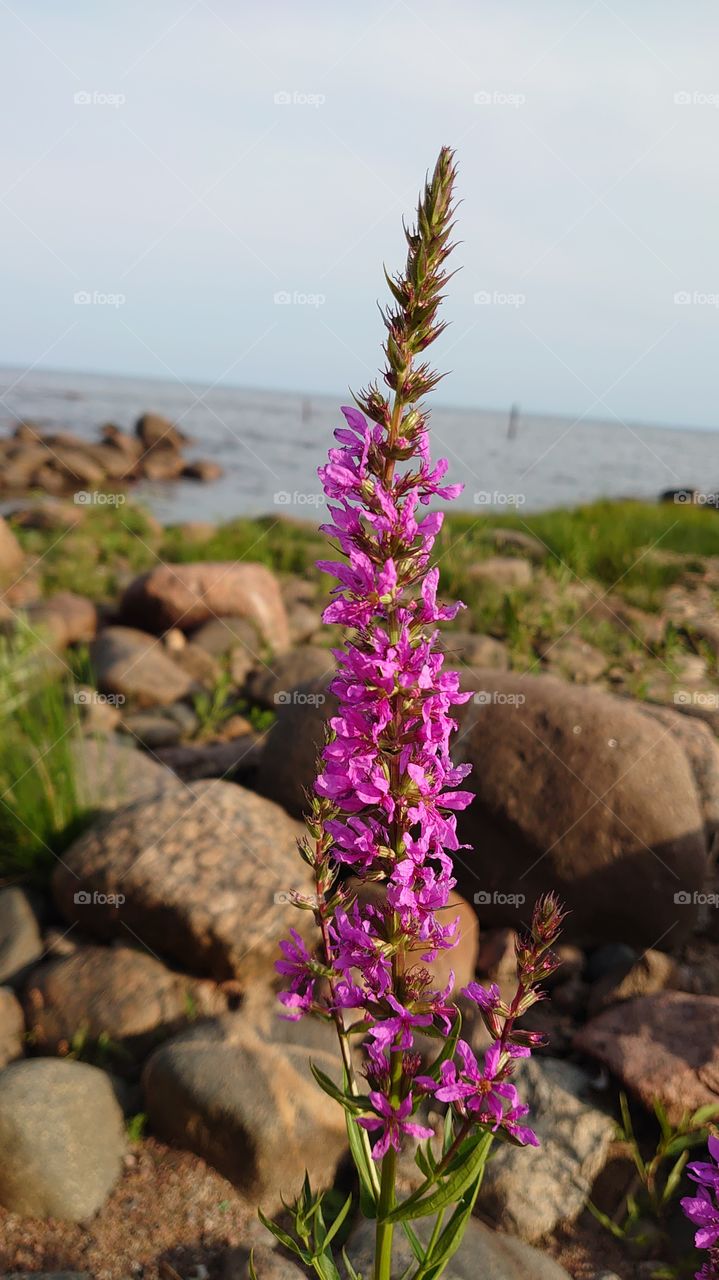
{"x": 608, "y": 959}
{"x": 20, "y": 940}
{"x": 508, "y": 573}
{"x": 133, "y": 665}
{"x": 280, "y": 681}
{"x": 151, "y": 731}
{"x": 62, "y": 1136}
{"x": 654, "y": 971}
{"x": 12, "y": 1027}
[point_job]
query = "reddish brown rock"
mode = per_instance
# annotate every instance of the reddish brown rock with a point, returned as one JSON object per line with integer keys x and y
{"x": 66, "y": 617}
{"x": 11, "y": 554}
{"x": 662, "y": 1046}
{"x": 120, "y": 994}
{"x": 157, "y": 433}
{"x": 186, "y": 595}
{"x": 202, "y": 469}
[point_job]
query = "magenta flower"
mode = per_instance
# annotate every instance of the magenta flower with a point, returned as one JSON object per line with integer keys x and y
{"x": 703, "y": 1209}
{"x": 393, "y": 1122}
{"x": 484, "y": 1093}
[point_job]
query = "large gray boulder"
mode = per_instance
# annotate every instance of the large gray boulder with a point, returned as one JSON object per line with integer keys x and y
{"x": 530, "y": 1191}
{"x": 249, "y": 1106}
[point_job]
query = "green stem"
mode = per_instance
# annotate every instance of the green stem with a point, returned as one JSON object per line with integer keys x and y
{"x": 385, "y": 1230}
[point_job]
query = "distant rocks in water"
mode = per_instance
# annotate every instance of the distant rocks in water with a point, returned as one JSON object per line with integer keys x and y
{"x": 60, "y": 462}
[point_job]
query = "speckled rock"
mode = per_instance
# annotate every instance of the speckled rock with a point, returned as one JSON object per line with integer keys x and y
{"x": 204, "y": 874}
{"x": 250, "y": 1108}
{"x": 577, "y": 791}
{"x": 62, "y": 1136}
{"x": 20, "y": 941}
{"x": 186, "y": 595}
{"x": 662, "y": 1046}
{"x": 118, "y": 992}
{"x": 66, "y": 618}
{"x": 134, "y": 665}
{"x": 291, "y": 747}
{"x": 507, "y": 573}
{"x": 113, "y": 773}
{"x": 528, "y": 1192}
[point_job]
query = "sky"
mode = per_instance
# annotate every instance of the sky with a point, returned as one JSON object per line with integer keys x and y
{"x": 208, "y": 191}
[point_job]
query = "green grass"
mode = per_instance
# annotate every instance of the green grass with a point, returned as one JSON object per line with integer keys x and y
{"x": 40, "y": 807}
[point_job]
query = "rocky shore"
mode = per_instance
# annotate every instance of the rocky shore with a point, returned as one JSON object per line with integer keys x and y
{"x": 146, "y": 1080}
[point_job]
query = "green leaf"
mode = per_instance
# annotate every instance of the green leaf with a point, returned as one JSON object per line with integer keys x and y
{"x": 351, "y": 1102}
{"x": 369, "y": 1182}
{"x": 251, "y": 1265}
{"x": 325, "y": 1267}
{"x": 338, "y": 1221}
{"x": 414, "y": 1240}
{"x": 283, "y": 1237}
{"x": 618, "y": 1232}
{"x": 660, "y": 1113}
{"x": 704, "y": 1114}
{"x": 674, "y": 1178}
{"x": 450, "y": 1238}
{"x": 451, "y": 1189}
{"x": 424, "y": 1159}
{"x": 353, "y": 1275}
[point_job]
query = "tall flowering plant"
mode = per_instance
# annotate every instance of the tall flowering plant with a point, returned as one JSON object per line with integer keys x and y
{"x": 384, "y": 811}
